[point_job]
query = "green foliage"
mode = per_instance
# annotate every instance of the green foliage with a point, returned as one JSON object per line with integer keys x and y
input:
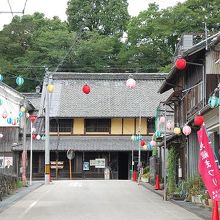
{"x": 19, "y": 184}
{"x": 146, "y": 170}
{"x": 171, "y": 169}
{"x": 107, "y": 17}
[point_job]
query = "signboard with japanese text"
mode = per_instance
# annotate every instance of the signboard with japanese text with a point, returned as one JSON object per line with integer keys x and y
{"x": 100, "y": 163}
{"x": 85, "y": 165}
{"x": 58, "y": 164}
{"x": 92, "y": 162}
{"x": 208, "y": 168}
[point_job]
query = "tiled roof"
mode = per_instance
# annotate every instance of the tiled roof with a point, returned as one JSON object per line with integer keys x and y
{"x": 109, "y": 96}
{"x": 86, "y": 143}
{"x": 34, "y": 98}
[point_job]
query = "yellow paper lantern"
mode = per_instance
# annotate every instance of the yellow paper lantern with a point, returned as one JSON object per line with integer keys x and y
{"x": 177, "y": 131}
{"x": 23, "y": 109}
{"x": 145, "y": 147}
{"x": 50, "y": 88}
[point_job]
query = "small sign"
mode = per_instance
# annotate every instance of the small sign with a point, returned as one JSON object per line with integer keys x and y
{"x": 85, "y": 165}
{"x": 100, "y": 163}
{"x": 92, "y": 162}
{"x": 58, "y": 165}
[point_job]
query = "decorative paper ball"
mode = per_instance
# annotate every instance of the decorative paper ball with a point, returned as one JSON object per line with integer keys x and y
{"x": 213, "y": 101}
{"x": 1, "y": 135}
{"x": 157, "y": 133}
{"x": 139, "y": 137}
{"x": 142, "y": 143}
{"x": 131, "y": 83}
{"x": 169, "y": 125}
{"x": 33, "y": 118}
{"x": 14, "y": 122}
{"x": 27, "y": 115}
{"x": 153, "y": 143}
{"x": 20, "y": 114}
{"x": 1, "y": 101}
{"x": 154, "y": 153}
{"x": 33, "y": 130}
{"x": 4, "y": 115}
{"x": 22, "y": 109}
{"x": 132, "y": 137}
{"x": 177, "y": 130}
{"x": 187, "y": 130}
{"x": 34, "y": 136}
{"x": 149, "y": 147}
{"x": 9, "y": 120}
{"x": 1, "y": 77}
{"x": 50, "y": 88}
{"x": 43, "y": 138}
{"x": 19, "y": 81}
{"x": 145, "y": 147}
{"x": 198, "y": 120}
{"x": 180, "y": 63}
{"x": 38, "y": 137}
{"x": 86, "y": 89}
{"x": 162, "y": 119}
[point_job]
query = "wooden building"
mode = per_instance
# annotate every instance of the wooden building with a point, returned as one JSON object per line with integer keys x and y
{"x": 97, "y": 126}
{"x": 191, "y": 89}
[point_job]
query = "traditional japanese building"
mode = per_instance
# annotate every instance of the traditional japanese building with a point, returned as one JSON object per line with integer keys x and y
{"x": 192, "y": 85}
{"x": 97, "y": 126}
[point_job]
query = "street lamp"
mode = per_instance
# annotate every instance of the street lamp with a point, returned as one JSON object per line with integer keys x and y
{"x": 32, "y": 118}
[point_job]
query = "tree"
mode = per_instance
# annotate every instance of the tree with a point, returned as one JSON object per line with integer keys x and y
{"x": 108, "y": 17}
{"x": 31, "y": 42}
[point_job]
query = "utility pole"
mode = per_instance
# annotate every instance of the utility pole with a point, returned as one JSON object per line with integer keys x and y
{"x": 47, "y": 141}
{"x": 24, "y": 153}
{"x": 164, "y": 155}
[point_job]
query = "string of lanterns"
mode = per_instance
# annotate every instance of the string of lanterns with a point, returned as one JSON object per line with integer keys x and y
{"x": 19, "y": 80}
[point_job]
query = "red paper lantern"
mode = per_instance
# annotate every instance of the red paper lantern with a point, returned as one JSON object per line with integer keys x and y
{"x": 34, "y": 136}
{"x": 180, "y": 64}
{"x": 86, "y": 89}
{"x": 33, "y": 118}
{"x": 198, "y": 120}
{"x": 142, "y": 143}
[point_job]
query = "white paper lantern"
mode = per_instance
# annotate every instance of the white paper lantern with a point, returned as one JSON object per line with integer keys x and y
{"x": 33, "y": 130}
{"x": 187, "y": 130}
{"x": 169, "y": 125}
{"x": 38, "y": 137}
{"x": 1, "y": 135}
{"x": 131, "y": 83}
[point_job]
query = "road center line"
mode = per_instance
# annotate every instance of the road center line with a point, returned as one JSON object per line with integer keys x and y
{"x": 30, "y": 206}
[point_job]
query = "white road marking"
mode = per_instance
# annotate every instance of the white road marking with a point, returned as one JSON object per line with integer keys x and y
{"x": 30, "y": 206}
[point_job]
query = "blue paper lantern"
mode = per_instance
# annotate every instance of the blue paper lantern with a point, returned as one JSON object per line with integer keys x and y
{"x": 19, "y": 81}
{"x": 9, "y": 120}
{"x": 1, "y": 77}
{"x": 43, "y": 138}
{"x": 157, "y": 134}
{"x": 149, "y": 146}
{"x": 213, "y": 101}
{"x": 21, "y": 114}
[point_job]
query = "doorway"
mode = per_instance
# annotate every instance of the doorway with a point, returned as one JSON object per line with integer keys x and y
{"x": 123, "y": 165}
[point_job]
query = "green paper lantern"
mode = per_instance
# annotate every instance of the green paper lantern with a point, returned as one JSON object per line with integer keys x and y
{"x": 213, "y": 101}
{"x": 154, "y": 152}
{"x": 1, "y": 77}
{"x": 1, "y": 101}
{"x": 157, "y": 134}
{"x": 19, "y": 81}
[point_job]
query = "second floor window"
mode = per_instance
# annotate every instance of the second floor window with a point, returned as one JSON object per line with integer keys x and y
{"x": 65, "y": 125}
{"x": 97, "y": 125}
{"x": 150, "y": 125}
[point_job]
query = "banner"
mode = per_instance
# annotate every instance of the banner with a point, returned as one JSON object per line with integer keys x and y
{"x": 208, "y": 169}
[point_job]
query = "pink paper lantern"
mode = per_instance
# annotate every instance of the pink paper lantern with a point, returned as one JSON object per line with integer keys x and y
{"x": 162, "y": 119}
{"x": 131, "y": 83}
{"x": 169, "y": 125}
{"x": 4, "y": 115}
{"x": 153, "y": 143}
{"x": 187, "y": 130}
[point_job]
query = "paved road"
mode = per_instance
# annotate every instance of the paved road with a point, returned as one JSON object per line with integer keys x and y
{"x": 94, "y": 200}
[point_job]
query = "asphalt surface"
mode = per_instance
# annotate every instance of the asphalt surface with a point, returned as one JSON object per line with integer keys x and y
{"x": 94, "y": 200}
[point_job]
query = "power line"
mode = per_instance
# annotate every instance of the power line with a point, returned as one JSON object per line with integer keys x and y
{"x": 10, "y": 8}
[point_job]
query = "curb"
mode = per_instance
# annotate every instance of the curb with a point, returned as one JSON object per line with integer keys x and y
{"x": 12, "y": 199}
{"x": 201, "y": 212}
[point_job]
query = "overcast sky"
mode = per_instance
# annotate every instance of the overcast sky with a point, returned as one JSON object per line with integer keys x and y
{"x": 58, "y": 7}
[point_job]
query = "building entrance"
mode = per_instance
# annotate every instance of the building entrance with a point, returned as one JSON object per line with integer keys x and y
{"x": 123, "y": 165}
